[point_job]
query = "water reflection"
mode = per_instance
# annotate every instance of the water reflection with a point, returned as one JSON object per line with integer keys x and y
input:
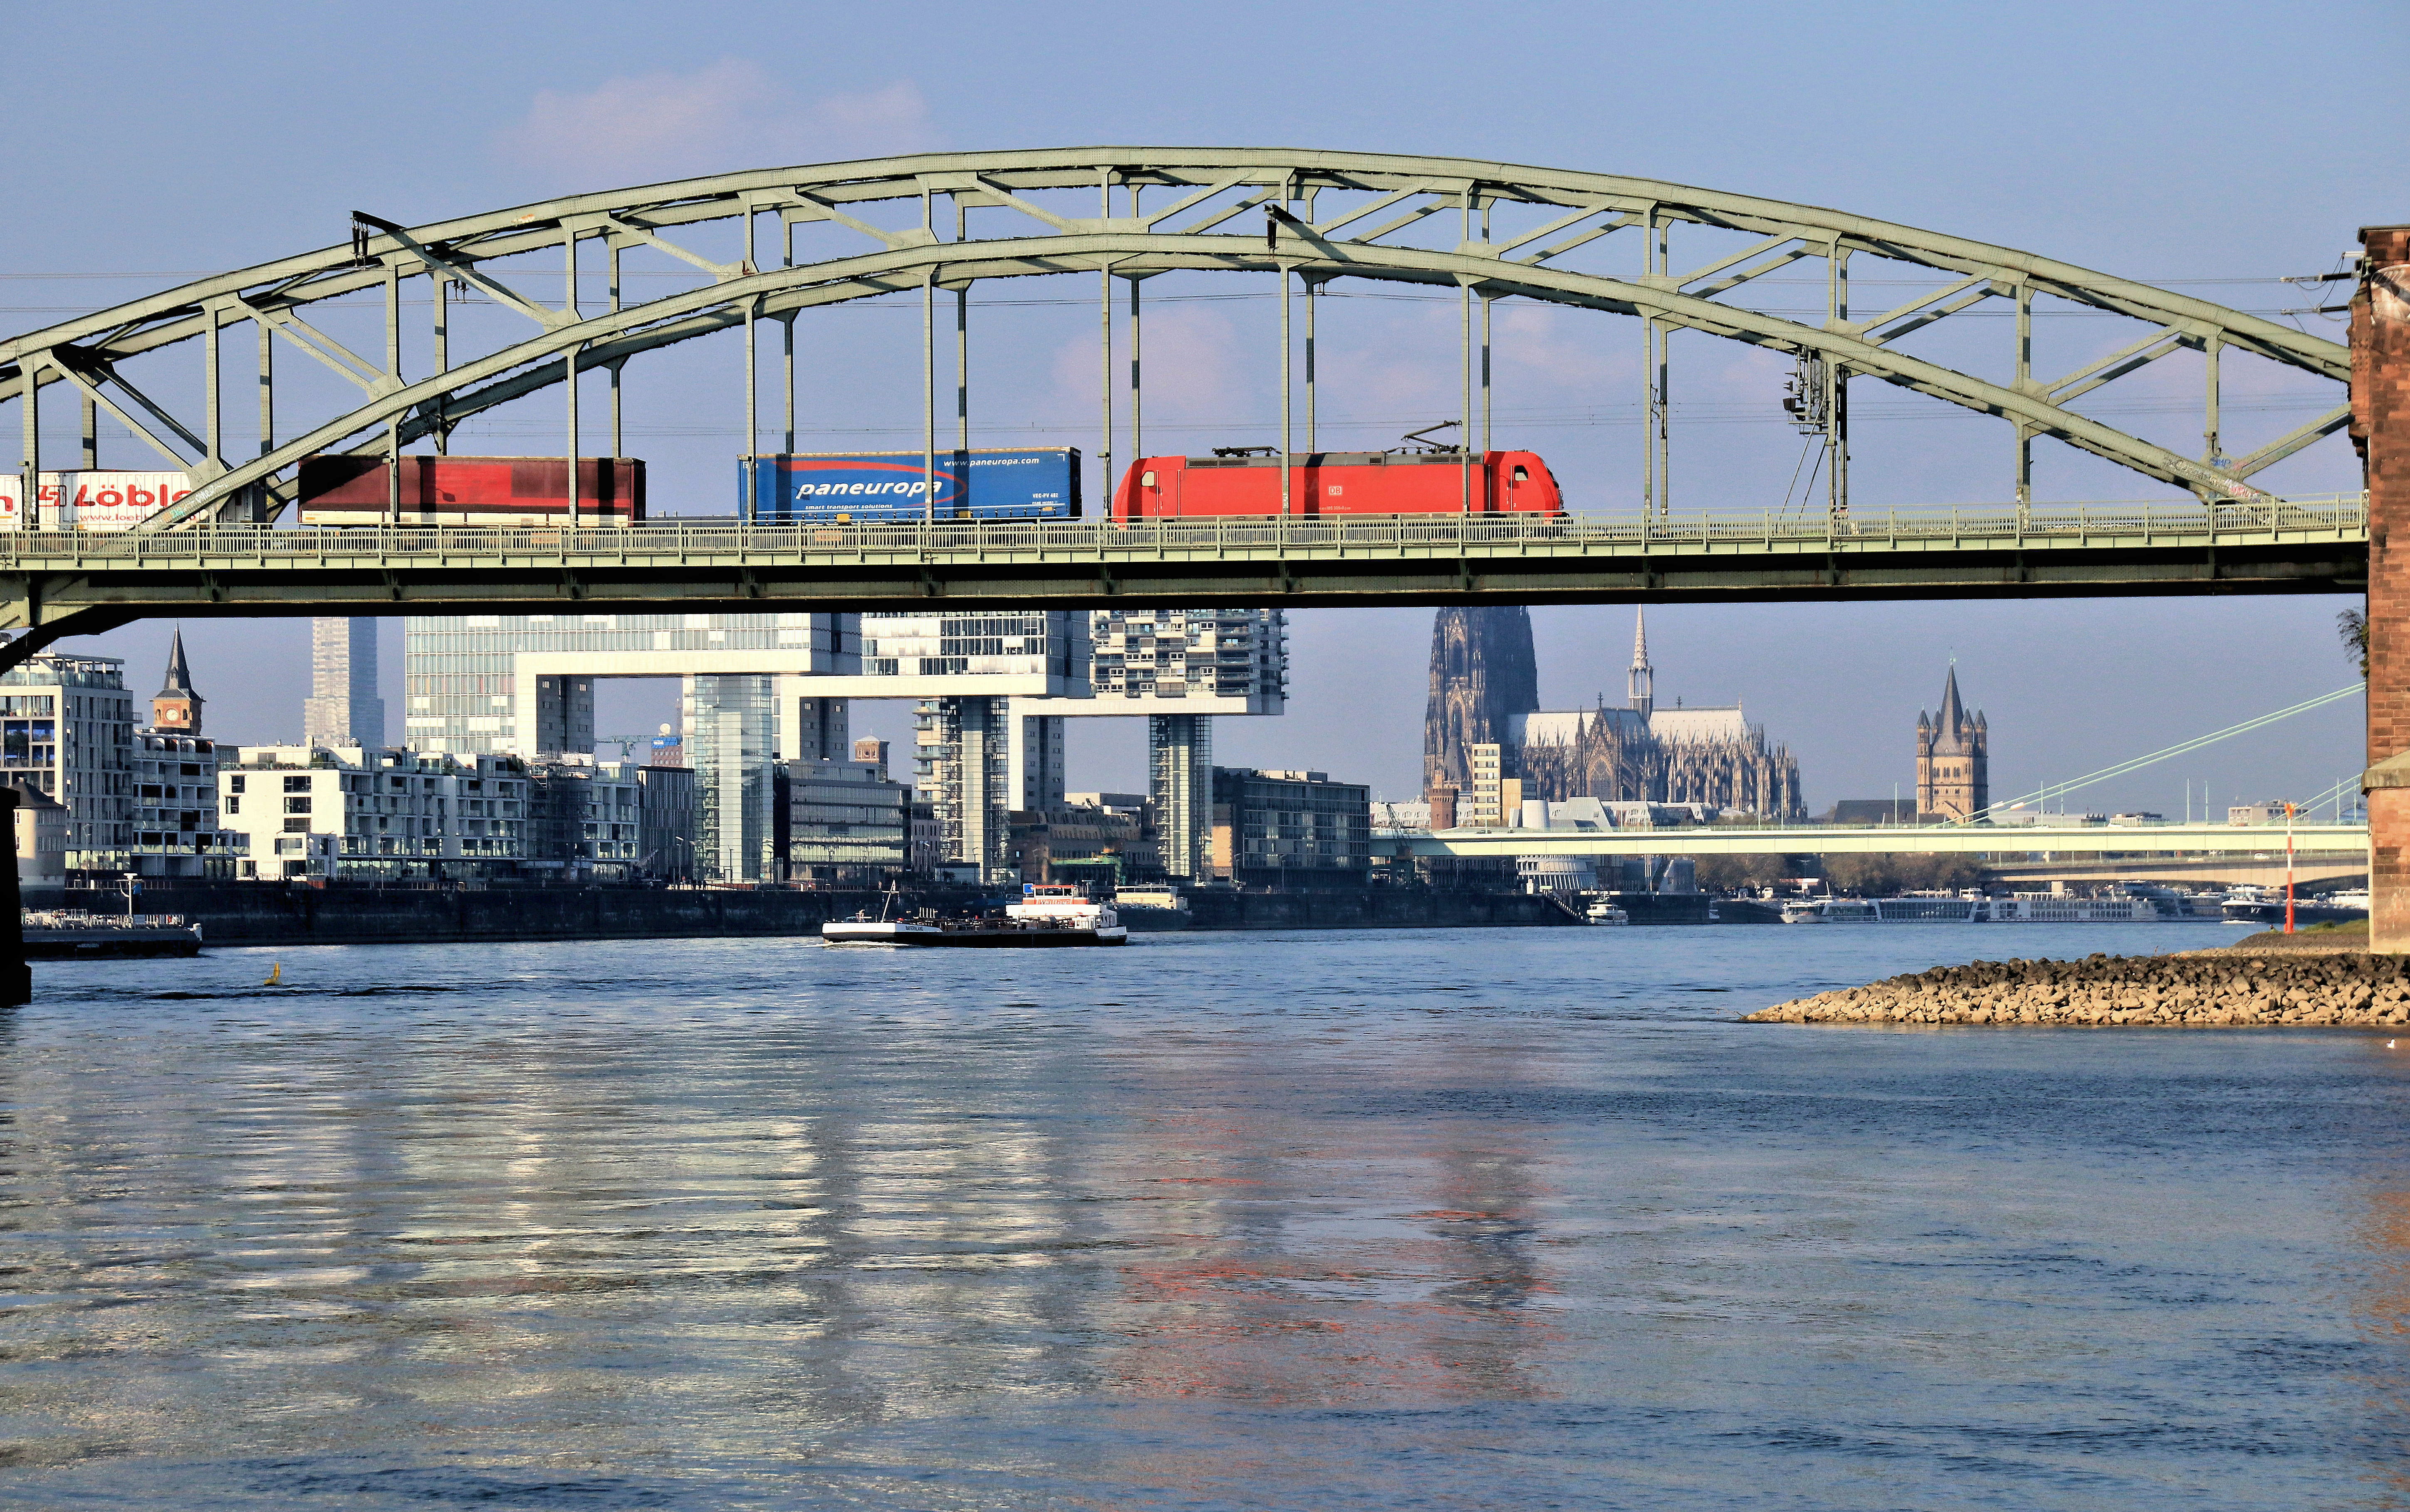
{"x": 1277, "y": 1223}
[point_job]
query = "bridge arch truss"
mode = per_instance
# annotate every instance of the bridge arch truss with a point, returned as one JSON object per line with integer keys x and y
{"x": 1317, "y": 217}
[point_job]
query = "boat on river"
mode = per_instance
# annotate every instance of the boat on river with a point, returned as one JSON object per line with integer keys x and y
{"x": 57, "y": 934}
{"x": 2266, "y": 906}
{"x": 1049, "y": 915}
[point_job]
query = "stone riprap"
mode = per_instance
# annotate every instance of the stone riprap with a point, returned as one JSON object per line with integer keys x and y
{"x": 2214, "y": 988}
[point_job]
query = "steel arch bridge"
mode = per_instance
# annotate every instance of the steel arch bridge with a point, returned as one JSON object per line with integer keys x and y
{"x": 1309, "y": 217}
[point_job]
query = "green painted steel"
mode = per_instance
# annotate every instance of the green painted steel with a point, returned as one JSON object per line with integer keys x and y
{"x": 2319, "y": 842}
{"x": 1314, "y": 216}
{"x": 1207, "y": 188}
{"x": 66, "y": 582}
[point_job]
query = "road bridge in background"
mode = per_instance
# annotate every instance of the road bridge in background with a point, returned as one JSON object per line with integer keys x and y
{"x": 2201, "y": 871}
{"x": 2020, "y": 842}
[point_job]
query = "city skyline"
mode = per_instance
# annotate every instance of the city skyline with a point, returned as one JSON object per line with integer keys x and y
{"x": 1366, "y": 669}
{"x": 2084, "y": 683}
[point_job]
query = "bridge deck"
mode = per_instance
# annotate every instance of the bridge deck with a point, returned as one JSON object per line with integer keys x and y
{"x": 2274, "y": 546}
{"x": 2322, "y": 840}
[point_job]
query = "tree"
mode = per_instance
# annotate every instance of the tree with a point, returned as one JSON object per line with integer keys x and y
{"x": 1731, "y": 874}
{"x": 2351, "y": 626}
{"x": 1883, "y": 875}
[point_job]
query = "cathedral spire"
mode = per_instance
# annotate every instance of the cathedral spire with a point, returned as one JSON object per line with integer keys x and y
{"x": 1640, "y": 684}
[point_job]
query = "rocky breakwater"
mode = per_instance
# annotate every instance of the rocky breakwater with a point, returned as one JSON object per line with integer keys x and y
{"x": 2213, "y": 988}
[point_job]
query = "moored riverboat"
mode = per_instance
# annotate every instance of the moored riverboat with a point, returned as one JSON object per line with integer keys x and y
{"x": 58, "y": 934}
{"x": 2266, "y": 906}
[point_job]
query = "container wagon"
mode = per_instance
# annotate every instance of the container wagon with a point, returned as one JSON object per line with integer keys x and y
{"x": 498, "y": 491}
{"x": 90, "y": 500}
{"x": 1327, "y": 483}
{"x": 851, "y": 486}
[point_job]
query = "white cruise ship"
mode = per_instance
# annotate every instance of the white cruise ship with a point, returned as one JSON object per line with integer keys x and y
{"x": 1884, "y": 911}
{"x": 2052, "y": 908}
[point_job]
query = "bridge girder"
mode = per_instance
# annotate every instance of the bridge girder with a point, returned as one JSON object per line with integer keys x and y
{"x": 1210, "y": 189}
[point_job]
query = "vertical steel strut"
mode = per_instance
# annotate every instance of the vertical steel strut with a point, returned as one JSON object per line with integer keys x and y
{"x": 963, "y": 343}
{"x": 393, "y": 372}
{"x": 440, "y": 341}
{"x": 1312, "y": 429}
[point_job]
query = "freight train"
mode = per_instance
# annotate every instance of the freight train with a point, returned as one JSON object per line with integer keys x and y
{"x": 1322, "y": 484}
{"x": 471, "y": 489}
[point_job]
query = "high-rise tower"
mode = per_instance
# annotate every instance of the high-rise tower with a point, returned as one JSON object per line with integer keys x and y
{"x": 1953, "y": 758}
{"x": 176, "y": 708}
{"x": 342, "y": 708}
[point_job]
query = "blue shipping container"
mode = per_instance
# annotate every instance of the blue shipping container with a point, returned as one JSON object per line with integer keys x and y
{"x": 1042, "y": 484}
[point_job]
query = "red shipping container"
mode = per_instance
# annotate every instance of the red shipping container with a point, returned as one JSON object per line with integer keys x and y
{"x": 1327, "y": 483}
{"x": 473, "y": 490}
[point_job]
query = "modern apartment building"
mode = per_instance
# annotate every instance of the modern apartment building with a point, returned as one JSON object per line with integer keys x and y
{"x": 1290, "y": 828}
{"x": 978, "y": 756}
{"x": 67, "y": 729}
{"x": 992, "y": 690}
{"x": 1180, "y": 666}
{"x": 584, "y": 818}
{"x": 374, "y": 812}
{"x": 176, "y": 831}
{"x": 845, "y": 821}
{"x": 485, "y": 684}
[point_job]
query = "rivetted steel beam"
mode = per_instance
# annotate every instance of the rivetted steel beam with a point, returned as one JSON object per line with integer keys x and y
{"x": 693, "y": 312}
{"x": 1200, "y": 180}
{"x": 2294, "y": 548}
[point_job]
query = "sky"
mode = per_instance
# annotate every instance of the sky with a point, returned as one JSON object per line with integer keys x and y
{"x": 2159, "y": 141}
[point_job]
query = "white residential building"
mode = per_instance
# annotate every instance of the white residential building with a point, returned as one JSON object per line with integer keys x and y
{"x": 373, "y": 811}
{"x": 67, "y": 729}
{"x": 176, "y": 831}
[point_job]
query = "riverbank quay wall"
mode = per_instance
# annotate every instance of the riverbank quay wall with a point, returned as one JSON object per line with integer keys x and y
{"x": 2341, "y": 988}
{"x": 256, "y": 915}
{"x": 2380, "y": 429}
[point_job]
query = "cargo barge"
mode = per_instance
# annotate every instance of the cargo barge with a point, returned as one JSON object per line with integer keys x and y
{"x": 1050, "y": 915}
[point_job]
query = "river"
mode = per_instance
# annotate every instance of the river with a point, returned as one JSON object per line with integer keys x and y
{"x": 1432, "y": 1219}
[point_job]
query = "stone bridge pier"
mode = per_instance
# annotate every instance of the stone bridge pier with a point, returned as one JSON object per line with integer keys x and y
{"x": 2380, "y": 429}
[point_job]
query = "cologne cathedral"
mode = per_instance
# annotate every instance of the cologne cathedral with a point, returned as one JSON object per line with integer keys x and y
{"x": 1485, "y": 690}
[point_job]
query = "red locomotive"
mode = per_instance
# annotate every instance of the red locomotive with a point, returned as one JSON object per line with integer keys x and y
{"x": 1247, "y": 481}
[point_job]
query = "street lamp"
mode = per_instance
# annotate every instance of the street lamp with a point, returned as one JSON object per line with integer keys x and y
{"x": 2289, "y": 868}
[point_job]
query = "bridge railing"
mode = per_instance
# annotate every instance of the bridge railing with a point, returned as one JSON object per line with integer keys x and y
{"x": 676, "y": 537}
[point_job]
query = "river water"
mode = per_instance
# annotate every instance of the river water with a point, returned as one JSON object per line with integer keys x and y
{"x": 1433, "y": 1220}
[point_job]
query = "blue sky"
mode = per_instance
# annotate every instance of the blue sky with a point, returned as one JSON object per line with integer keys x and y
{"x": 2213, "y": 146}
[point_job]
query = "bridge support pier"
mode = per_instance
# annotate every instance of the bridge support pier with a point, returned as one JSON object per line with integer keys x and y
{"x": 16, "y": 977}
{"x": 2380, "y": 429}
